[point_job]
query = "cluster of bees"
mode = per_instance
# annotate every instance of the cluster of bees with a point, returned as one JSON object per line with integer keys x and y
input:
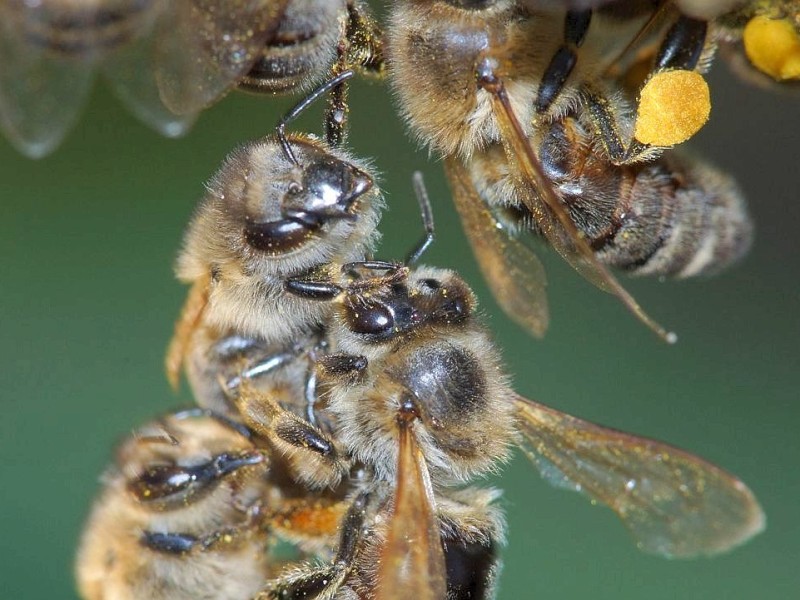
{"x": 346, "y": 405}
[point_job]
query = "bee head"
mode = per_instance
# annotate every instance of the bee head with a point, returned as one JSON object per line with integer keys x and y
{"x": 266, "y": 214}
{"x": 405, "y": 305}
{"x": 303, "y": 201}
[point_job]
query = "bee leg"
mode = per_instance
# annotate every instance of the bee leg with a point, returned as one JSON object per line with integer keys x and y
{"x": 310, "y": 289}
{"x": 185, "y": 543}
{"x": 683, "y": 45}
{"x": 361, "y": 49}
{"x": 605, "y": 124}
{"x": 335, "y": 124}
{"x": 576, "y": 24}
{"x": 344, "y": 369}
{"x": 310, "y": 454}
{"x": 324, "y": 582}
{"x": 197, "y": 412}
{"x": 169, "y": 543}
{"x": 163, "y": 487}
{"x": 256, "y": 368}
{"x": 673, "y": 102}
{"x": 365, "y": 37}
{"x": 300, "y": 107}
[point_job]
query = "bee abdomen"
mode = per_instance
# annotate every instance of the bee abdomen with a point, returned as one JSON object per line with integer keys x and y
{"x": 676, "y": 220}
{"x": 73, "y": 31}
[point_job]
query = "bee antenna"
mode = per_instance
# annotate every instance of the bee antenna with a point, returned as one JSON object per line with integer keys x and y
{"x": 280, "y": 130}
{"x": 427, "y": 219}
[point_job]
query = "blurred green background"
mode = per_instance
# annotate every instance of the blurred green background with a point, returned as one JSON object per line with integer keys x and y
{"x": 87, "y": 240}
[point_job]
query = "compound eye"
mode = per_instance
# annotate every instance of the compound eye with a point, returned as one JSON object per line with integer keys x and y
{"x": 454, "y": 309}
{"x": 370, "y": 318}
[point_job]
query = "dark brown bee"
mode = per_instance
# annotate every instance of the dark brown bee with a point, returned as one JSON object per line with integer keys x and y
{"x": 538, "y": 137}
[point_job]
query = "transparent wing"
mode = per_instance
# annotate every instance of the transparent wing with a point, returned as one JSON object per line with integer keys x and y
{"x": 540, "y": 197}
{"x": 41, "y": 91}
{"x": 189, "y": 319}
{"x": 212, "y": 44}
{"x": 131, "y": 71}
{"x": 674, "y": 504}
{"x": 412, "y": 561}
{"x": 512, "y": 270}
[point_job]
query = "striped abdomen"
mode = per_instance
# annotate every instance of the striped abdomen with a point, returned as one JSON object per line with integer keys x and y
{"x": 81, "y": 29}
{"x": 675, "y": 216}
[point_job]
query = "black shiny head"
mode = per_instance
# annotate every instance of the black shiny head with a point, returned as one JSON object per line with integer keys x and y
{"x": 325, "y": 190}
{"x": 405, "y": 306}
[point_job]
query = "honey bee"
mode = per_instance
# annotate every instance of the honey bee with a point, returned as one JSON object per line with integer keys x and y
{"x": 183, "y": 508}
{"x": 761, "y": 38}
{"x": 48, "y": 54}
{"x": 761, "y": 41}
{"x": 180, "y": 488}
{"x": 169, "y": 60}
{"x": 537, "y": 137}
{"x": 191, "y": 509}
{"x": 279, "y": 208}
{"x": 421, "y": 402}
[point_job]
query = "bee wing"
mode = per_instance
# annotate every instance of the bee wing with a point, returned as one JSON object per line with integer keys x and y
{"x": 213, "y": 43}
{"x": 512, "y": 270}
{"x": 540, "y": 197}
{"x": 41, "y": 91}
{"x": 674, "y": 504}
{"x": 412, "y": 561}
{"x": 189, "y": 319}
{"x": 132, "y": 74}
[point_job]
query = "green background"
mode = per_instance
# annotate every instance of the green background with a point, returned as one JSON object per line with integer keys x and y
{"x": 87, "y": 302}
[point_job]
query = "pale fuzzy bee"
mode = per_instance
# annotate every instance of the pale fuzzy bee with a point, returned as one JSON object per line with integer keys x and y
{"x": 421, "y": 401}
{"x": 510, "y": 83}
{"x": 195, "y": 503}
{"x": 174, "y": 517}
{"x": 279, "y": 208}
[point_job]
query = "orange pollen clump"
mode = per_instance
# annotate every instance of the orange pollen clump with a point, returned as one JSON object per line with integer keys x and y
{"x": 673, "y": 106}
{"x": 773, "y": 46}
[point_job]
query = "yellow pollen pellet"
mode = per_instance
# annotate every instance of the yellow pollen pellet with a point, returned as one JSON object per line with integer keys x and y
{"x": 673, "y": 106}
{"x": 773, "y": 46}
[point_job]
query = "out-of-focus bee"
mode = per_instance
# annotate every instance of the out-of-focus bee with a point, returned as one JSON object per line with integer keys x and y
{"x": 191, "y": 509}
{"x": 281, "y": 207}
{"x": 537, "y": 137}
{"x": 49, "y": 51}
{"x": 168, "y": 60}
{"x": 761, "y": 40}
{"x": 416, "y": 388}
